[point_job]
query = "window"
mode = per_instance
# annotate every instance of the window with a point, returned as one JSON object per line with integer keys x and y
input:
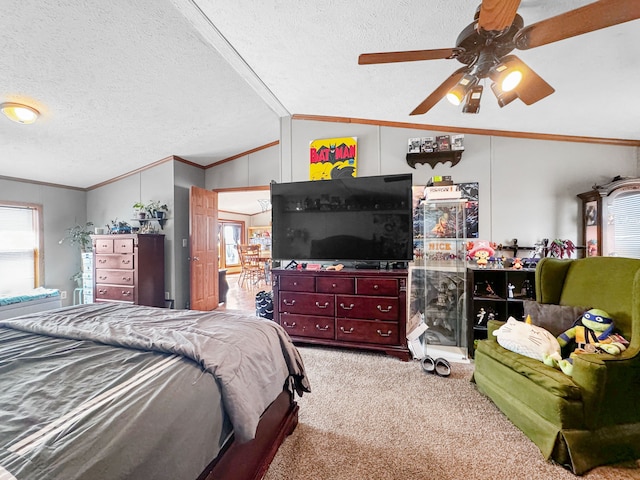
{"x": 622, "y": 229}
{"x": 20, "y": 247}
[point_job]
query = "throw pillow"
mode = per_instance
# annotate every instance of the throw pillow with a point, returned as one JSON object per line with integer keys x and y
{"x": 528, "y": 340}
{"x": 554, "y": 318}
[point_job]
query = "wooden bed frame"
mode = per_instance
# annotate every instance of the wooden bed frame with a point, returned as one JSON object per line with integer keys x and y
{"x": 251, "y": 460}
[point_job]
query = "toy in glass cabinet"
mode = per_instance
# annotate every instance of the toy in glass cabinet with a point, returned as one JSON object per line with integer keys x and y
{"x": 438, "y": 297}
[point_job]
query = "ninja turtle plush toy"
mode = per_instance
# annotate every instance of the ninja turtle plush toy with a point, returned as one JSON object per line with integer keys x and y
{"x": 593, "y": 334}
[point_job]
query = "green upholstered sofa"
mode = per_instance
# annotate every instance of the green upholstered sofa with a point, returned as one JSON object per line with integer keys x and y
{"x": 593, "y": 417}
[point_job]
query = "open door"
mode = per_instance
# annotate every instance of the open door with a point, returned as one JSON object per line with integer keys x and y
{"x": 203, "y": 235}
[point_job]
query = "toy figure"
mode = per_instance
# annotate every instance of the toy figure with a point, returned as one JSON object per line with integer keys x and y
{"x": 594, "y": 334}
{"x": 481, "y": 315}
{"x": 511, "y": 287}
{"x": 517, "y": 264}
{"x": 481, "y": 251}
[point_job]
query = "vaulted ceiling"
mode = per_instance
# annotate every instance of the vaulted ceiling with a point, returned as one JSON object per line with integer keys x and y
{"x": 123, "y": 84}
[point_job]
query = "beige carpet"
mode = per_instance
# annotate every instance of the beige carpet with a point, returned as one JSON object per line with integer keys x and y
{"x": 373, "y": 417}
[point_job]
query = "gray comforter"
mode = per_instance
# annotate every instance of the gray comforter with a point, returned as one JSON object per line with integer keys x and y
{"x": 248, "y": 356}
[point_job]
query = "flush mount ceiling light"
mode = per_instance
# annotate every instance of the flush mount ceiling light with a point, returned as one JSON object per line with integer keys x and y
{"x": 19, "y": 113}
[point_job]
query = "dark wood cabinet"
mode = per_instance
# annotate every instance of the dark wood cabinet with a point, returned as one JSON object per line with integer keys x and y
{"x": 361, "y": 309}
{"x": 496, "y": 293}
{"x": 129, "y": 268}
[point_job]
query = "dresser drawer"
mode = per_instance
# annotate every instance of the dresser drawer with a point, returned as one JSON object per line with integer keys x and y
{"x": 297, "y": 283}
{"x": 123, "y": 245}
{"x": 384, "y": 333}
{"x": 115, "y": 261}
{"x": 377, "y": 286}
{"x": 104, "y": 245}
{"x": 335, "y": 285}
{"x": 308, "y": 325}
{"x": 118, "y": 277}
{"x": 110, "y": 292}
{"x": 369, "y": 308}
{"x": 307, "y": 303}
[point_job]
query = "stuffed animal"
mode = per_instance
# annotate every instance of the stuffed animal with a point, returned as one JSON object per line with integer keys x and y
{"x": 593, "y": 334}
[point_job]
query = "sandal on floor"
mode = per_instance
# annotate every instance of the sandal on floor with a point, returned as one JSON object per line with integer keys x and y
{"x": 442, "y": 367}
{"x": 428, "y": 364}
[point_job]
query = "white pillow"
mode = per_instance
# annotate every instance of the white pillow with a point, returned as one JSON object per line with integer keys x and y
{"x": 528, "y": 340}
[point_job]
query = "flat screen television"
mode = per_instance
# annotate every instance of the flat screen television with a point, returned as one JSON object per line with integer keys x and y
{"x": 348, "y": 219}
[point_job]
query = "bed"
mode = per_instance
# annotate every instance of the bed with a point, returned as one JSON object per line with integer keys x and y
{"x": 115, "y": 391}
{"x": 32, "y": 301}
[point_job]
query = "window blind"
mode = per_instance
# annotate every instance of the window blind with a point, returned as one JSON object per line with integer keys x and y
{"x": 626, "y": 211}
{"x": 18, "y": 248}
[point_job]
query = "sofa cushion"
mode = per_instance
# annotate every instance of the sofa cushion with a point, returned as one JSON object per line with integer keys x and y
{"x": 556, "y": 319}
{"x": 547, "y": 377}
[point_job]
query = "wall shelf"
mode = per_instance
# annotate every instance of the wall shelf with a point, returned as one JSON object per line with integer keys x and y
{"x": 433, "y": 158}
{"x": 142, "y": 221}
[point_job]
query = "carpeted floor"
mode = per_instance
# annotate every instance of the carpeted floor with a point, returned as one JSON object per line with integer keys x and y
{"x": 373, "y": 417}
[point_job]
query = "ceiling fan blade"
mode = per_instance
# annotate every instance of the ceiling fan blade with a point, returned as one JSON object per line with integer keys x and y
{"x": 594, "y": 16}
{"x": 497, "y": 15}
{"x": 532, "y": 88}
{"x": 439, "y": 92}
{"x": 408, "y": 56}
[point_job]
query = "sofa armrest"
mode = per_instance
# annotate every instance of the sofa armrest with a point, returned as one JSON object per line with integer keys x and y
{"x": 492, "y": 326}
{"x": 550, "y": 275}
{"x": 609, "y": 387}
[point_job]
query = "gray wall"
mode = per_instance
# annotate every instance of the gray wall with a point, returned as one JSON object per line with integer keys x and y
{"x": 115, "y": 201}
{"x": 62, "y": 208}
{"x": 184, "y": 177}
{"x": 527, "y": 187}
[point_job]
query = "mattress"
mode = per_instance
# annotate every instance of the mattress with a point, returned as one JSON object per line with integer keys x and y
{"x": 105, "y": 391}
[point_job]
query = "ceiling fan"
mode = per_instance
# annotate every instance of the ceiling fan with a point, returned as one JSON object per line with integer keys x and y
{"x": 484, "y": 48}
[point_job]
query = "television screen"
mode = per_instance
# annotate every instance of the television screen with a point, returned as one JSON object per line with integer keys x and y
{"x": 349, "y": 219}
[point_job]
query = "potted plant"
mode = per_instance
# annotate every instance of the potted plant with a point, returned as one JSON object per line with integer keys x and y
{"x": 79, "y": 235}
{"x": 141, "y": 209}
{"x": 157, "y": 210}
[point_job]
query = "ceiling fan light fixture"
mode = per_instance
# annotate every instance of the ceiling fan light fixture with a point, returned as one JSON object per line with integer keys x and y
{"x": 472, "y": 105}
{"x": 504, "y": 97}
{"x": 457, "y": 94}
{"x": 19, "y": 113}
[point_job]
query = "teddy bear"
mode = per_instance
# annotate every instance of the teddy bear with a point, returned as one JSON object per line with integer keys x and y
{"x": 592, "y": 333}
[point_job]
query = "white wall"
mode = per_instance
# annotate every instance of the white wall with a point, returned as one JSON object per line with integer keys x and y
{"x": 528, "y": 187}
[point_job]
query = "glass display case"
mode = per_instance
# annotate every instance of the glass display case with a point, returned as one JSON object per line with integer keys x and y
{"x": 438, "y": 274}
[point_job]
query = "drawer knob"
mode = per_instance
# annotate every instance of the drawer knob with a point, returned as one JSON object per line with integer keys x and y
{"x": 289, "y": 325}
{"x": 295, "y": 284}
{"x": 102, "y": 277}
{"x": 387, "y": 310}
{"x": 376, "y": 287}
{"x": 323, "y": 329}
{"x": 288, "y": 304}
{"x": 101, "y": 291}
{"x": 346, "y": 331}
{"x": 349, "y": 307}
{"x": 102, "y": 260}
{"x": 126, "y": 293}
{"x": 388, "y": 334}
{"x": 126, "y": 279}
{"x": 326, "y": 304}
{"x": 333, "y": 285}
{"x": 126, "y": 262}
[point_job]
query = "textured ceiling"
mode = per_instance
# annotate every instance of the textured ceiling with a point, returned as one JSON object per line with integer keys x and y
{"x": 124, "y": 84}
